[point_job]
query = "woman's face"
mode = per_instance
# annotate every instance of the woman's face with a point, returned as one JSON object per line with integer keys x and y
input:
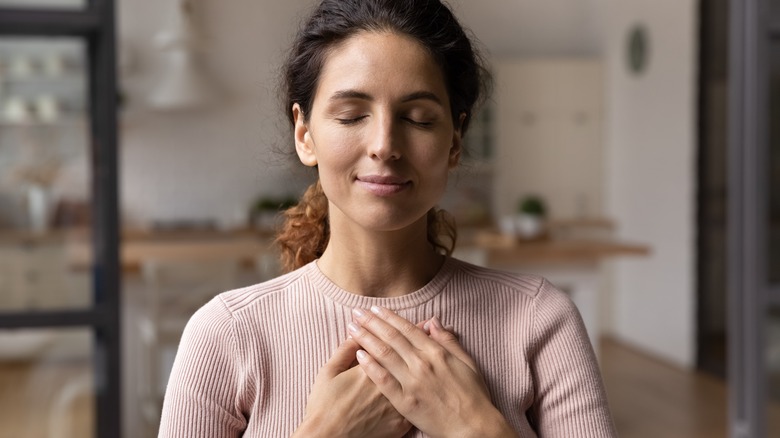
{"x": 380, "y": 131}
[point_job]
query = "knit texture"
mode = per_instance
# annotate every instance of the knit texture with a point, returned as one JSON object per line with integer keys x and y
{"x": 248, "y": 358}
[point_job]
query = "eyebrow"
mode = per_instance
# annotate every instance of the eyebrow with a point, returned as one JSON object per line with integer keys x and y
{"x": 354, "y": 94}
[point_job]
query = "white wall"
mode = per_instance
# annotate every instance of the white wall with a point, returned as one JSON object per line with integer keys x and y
{"x": 209, "y": 163}
{"x": 651, "y": 174}
{"x": 533, "y": 27}
{"x": 549, "y": 135}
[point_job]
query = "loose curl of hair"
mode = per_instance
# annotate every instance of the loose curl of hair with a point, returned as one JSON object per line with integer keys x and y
{"x": 305, "y": 232}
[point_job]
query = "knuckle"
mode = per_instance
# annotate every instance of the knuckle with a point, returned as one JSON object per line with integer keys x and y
{"x": 382, "y": 377}
{"x": 412, "y": 402}
{"x": 384, "y": 351}
{"x": 439, "y": 354}
{"x": 408, "y": 329}
{"x": 389, "y": 333}
{"x": 423, "y": 366}
{"x": 451, "y": 331}
{"x": 446, "y": 336}
{"x": 368, "y": 318}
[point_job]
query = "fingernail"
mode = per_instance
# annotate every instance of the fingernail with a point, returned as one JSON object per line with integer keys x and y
{"x": 375, "y": 310}
{"x": 361, "y": 355}
{"x": 427, "y": 326}
{"x": 436, "y": 323}
{"x": 353, "y": 327}
{"x": 358, "y": 312}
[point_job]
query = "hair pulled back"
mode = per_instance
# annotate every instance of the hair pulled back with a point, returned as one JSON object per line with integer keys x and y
{"x": 305, "y": 232}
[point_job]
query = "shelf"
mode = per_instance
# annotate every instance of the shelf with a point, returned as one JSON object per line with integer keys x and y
{"x": 64, "y": 121}
{"x": 74, "y": 76}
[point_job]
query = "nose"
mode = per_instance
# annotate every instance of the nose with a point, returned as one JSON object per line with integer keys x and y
{"x": 384, "y": 144}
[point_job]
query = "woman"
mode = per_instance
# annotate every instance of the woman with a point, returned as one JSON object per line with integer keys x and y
{"x": 351, "y": 342}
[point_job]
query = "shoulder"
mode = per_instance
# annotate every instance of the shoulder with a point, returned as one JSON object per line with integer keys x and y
{"x": 224, "y": 317}
{"x": 239, "y": 300}
{"x": 547, "y": 304}
{"x": 528, "y": 285}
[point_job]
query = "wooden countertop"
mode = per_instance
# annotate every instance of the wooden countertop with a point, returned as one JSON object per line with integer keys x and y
{"x": 246, "y": 245}
{"x": 138, "y": 245}
{"x": 504, "y": 250}
{"x": 245, "y": 248}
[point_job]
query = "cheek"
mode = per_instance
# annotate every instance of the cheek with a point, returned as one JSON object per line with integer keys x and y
{"x": 433, "y": 154}
{"x": 433, "y": 169}
{"x": 337, "y": 154}
{"x": 338, "y": 143}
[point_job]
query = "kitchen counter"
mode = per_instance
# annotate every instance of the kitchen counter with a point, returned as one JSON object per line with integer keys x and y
{"x": 505, "y": 250}
{"x": 139, "y": 245}
{"x": 495, "y": 249}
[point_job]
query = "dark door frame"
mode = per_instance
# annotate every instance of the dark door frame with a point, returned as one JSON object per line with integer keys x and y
{"x": 95, "y": 23}
{"x": 748, "y": 288}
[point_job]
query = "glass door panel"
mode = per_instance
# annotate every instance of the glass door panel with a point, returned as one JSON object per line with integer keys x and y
{"x": 46, "y": 383}
{"x": 45, "y": 179}
{"x": 773, "y": 373}
{"x": 59, "y": 310}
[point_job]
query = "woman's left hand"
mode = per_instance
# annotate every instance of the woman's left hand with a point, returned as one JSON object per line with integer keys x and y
{"x": 429, "y": 379}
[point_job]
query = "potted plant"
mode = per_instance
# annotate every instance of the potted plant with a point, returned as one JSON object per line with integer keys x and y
{"x": 531, "y": 214}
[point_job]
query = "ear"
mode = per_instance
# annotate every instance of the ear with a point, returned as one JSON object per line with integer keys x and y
{"x": 304, "y": 145}
{"x": 457, "y": 142}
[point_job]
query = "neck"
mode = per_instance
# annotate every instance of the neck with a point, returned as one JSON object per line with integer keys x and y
{"x": 380, "y": 264}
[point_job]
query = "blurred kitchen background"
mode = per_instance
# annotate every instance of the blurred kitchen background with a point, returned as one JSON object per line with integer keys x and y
{"x": 600, "y": 162}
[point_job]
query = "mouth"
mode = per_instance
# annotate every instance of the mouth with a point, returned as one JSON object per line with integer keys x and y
{"x": 381, "y": 185}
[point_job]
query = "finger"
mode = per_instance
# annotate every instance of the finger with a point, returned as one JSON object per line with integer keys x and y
{"x": 343, "y": 358}
{"x": 387, "y": 384}
{"x": 393, "y": 329}
{"x": 425, "y": 325}
{"x": 383, "y": 352}
{"x": 449, "y": 341}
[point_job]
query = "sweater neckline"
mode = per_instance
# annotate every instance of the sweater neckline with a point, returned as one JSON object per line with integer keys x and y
{"x": 331, "y": 290}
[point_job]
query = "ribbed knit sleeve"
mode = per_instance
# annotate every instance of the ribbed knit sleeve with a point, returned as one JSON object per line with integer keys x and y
{"x": 570, "y": 400}
{"x": 201, "y": 399}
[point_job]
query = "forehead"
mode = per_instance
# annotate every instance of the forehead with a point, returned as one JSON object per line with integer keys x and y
{"x": 382, "y": 64}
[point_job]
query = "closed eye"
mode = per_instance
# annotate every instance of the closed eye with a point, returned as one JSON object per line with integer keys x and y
{"x": 351, "y": 121}
{"x": 419, "y": 123}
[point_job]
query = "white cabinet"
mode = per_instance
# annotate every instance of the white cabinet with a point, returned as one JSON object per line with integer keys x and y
{"x": 37, "y": 277}
{"x": 549, "y": 136}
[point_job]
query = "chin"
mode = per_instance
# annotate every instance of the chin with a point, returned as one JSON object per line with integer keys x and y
{"x": 392, "y": 220}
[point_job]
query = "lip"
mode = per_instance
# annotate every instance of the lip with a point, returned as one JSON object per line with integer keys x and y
{"x": 382, "y": 179}
{"x": 383, "y": 185}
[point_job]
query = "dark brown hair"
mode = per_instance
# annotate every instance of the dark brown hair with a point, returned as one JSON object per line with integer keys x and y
{"x": 305, "y": 232}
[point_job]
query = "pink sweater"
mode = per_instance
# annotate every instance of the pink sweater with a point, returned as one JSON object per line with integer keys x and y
{"x": 248, "y": 358}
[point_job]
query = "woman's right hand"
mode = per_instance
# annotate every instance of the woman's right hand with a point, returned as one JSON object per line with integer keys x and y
{"x": 344, "y": 402}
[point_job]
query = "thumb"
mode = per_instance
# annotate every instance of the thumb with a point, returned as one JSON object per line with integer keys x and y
{"x": 343, "y": 358}
{"x": 449, "y": 341}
